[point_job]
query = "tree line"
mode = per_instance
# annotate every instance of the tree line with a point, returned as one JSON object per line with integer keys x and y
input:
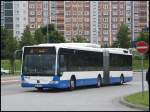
{"x": 10, "y": 44}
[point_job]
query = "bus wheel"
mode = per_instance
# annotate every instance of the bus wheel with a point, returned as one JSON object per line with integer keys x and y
{"x": 121, "y": 79}
{"x": 98, "y": 82}
{"x": 72, "y": 84}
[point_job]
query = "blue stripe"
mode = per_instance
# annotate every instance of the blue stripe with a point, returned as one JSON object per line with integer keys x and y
{"x": 84, "y": 82}
{"x": 117, "y": 79}
{"x": 79, "y": 82}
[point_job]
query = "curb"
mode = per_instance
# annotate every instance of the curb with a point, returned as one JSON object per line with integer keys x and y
{"x": 9, "y": 82}
{"x": 122, "y": 101}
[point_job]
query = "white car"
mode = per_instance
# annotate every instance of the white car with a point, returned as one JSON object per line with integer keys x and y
{"x": 3, "y": 72}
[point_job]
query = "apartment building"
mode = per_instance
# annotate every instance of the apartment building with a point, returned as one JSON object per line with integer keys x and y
{"x": 20, "y": 17}
{"x": 8, "y": 15}
{"x": 111, "y": 15}
{"x": 2, "y": 14}
{"x": 141, "y": 19}
{"x": 96, "y": 21}
{"x": 77, "y": 19}
{"x": 35, "y": 14}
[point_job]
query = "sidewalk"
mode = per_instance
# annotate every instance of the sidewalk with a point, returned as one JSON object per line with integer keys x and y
{"x": 10, "y": 79}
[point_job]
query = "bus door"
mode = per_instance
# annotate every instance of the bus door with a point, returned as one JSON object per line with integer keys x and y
{"x": 106, "y": 77}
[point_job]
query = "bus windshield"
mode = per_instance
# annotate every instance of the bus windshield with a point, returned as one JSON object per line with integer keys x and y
{"x": 38, "y": 62}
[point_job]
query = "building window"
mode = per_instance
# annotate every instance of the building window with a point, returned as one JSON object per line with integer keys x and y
{"x": 80, "y": 19}
{"x": 32, "y": 19}
{"x": 68, "y": 19}
{"x": 17, "y": 12}
{"x": 129, "y": 19}
{"x": 68, "y": 33}
{"x": 115, "y": 13}
{"x": 80, "y": 13}
{"x": 114, "y": 25}
{"x": 114, "y": 19}
{"x": 80, "y": 32}
{"x": 68, "y": 13}
{"x": 32, "y": 26}
{"x": 74, "y": 13}
{"x": 31, "y": 6}
{"x": 24, "y": 18}
{"x": 114, "y": 6}
{"x": 86, "y": 32}
{"x": 121, "y": 19}
{"x": 105, "y": 6}
{"x": 17, "y": 32}
{"x": 86, "y": 19}
{"x": 17, "y": 18}
{"x": 121, "y": 6}
{"x": 105, "y": 20}
{"x": 121, "y": 12}
{"x": 74, "y": 20}
{"x": 105, "y": 38}
{"x": 39, "y": 6}
{"x": 32, "y": 12}
{"x": 105, "y": 25}
{"x": 39, "y": 19}
{"x": 17, "y": 25}
{"x": 105, "y": 32}
{"x": 114, "y": 32}
{"x": 39, "y": 13}
{"x": 86, "y": 13}
{"x": 105, "y": 13}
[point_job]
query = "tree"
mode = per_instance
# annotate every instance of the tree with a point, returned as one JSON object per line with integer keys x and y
{"x": 27, "y": 38}
{"x": 79, "y": 38}
{"x": 4, "y": 35}
{"x": 12, "y": 45}
{"x": 143, "y": 36}
{"x": 39, "y": 37}
{"x": 56, "y": 37}
{"x": 123, "y": 39}
{"x": 53, "y": 35}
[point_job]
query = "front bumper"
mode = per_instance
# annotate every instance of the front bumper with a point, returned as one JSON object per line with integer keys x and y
{"x": 53, "y": 84}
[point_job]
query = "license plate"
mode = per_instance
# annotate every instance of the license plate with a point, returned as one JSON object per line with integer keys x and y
{"x": 38, "y": 85}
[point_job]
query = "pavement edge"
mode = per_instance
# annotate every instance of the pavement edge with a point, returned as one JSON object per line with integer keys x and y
{"x": 124, "y": 102}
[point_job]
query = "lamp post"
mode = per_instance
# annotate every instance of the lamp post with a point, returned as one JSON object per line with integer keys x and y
{"x": 47, "y": 22}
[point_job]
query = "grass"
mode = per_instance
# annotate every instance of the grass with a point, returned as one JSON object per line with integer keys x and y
{"x": 137, "y": 98}
{"x": 137, "y": 64}
{"x": 6, "y": 65}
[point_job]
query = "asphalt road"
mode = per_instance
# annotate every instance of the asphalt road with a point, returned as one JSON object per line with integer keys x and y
{"x": 15, "y": 98}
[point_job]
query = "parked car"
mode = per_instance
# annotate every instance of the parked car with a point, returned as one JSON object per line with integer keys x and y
{"x": 4, "y": 72}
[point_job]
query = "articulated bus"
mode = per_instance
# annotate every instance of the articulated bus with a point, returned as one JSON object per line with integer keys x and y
{"x": 70, "y": 65}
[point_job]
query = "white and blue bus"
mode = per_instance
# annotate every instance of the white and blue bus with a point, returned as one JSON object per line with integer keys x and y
{"x": 70, "y": 65}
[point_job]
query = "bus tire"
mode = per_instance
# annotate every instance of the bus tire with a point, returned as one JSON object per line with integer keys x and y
{"x": 98, "y": 84}
{"x": 121, "y": 79}
{"x": 72, "y": 83}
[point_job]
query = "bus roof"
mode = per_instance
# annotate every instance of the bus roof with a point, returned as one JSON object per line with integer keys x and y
{"x": 83, "y": 46}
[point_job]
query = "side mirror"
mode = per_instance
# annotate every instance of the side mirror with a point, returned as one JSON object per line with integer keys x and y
{"x": 18, "y": 54}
